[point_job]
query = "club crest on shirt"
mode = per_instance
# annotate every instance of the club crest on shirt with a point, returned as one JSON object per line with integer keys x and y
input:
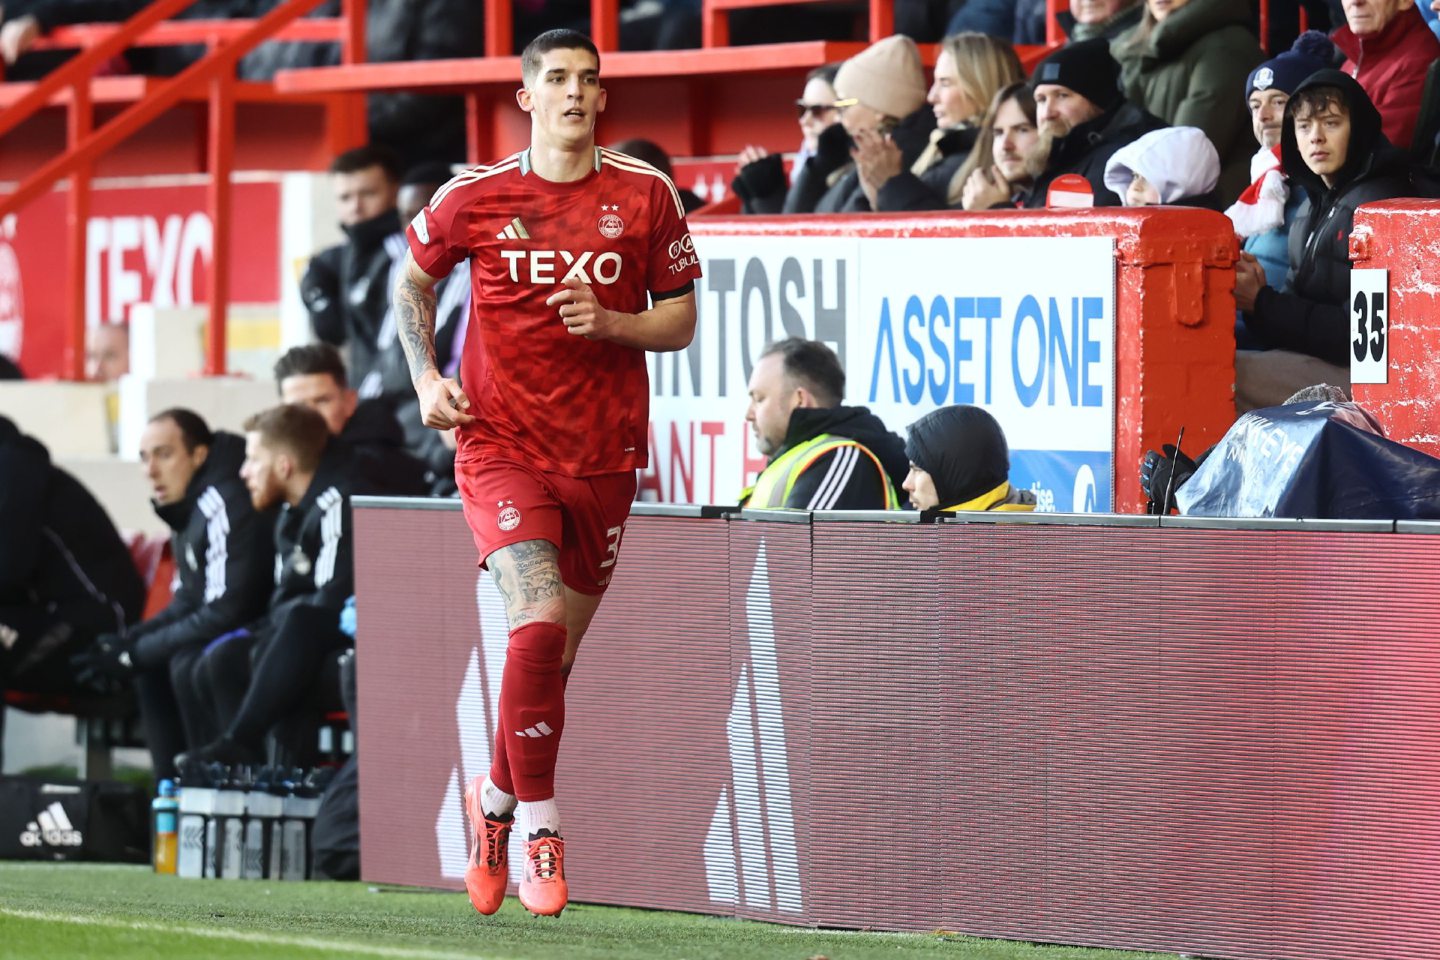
{"x": 611, "y": 226}
{"x": 509, "y": 516}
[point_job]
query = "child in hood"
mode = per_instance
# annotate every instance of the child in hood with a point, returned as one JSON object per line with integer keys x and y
{"x": 1176, "y": 166}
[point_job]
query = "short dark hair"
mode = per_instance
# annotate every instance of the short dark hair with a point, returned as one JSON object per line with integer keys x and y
{"x": 825, "y": 72}
{"x": 536, "y": 49}
{"x": 437, "y": 172}
{"x": 194, "y": 431}
{"x": 649, "y": 151}
{"x": 1313, "y": 100}
{"x": 370, "y": 155}
{"x": 311, "y": 358}
{"x": 814, "y": 365}
{"x": 297, "y": 430}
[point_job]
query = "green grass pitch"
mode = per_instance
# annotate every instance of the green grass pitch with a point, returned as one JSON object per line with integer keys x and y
{"x": 63, "y": 911}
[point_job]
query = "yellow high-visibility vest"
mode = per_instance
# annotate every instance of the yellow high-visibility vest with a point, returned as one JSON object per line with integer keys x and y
{"x": 772, "y": 488}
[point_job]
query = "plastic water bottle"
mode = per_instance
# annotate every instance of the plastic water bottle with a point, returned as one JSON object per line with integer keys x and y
{"x": 166, "y": 810}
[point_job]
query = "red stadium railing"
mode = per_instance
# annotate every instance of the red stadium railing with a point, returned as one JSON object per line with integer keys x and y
{"x": 211, "y": 79}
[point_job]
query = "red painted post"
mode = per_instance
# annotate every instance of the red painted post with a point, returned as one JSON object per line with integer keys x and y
{"x": 882, "y": 19}
{"x": 477, "y": 138}
{"x": 714, "y": 26}
{"x": 605, "y": 24}
{"x": 499, "y": 28}
{"x": 221, "y": 139}
{"x": 79, "y": 119}
{"x": 353, "y": 12}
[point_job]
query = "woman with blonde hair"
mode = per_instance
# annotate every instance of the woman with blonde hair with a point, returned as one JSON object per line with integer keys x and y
{"x": 970, "y": 69}
{"x": 1005, "y": 160}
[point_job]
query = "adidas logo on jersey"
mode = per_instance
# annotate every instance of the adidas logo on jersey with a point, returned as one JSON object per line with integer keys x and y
{"x": 514, "y": 230}
{"x": 542, "y": 266}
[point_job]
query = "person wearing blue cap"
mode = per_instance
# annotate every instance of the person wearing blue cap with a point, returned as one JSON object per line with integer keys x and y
{"x": 1265, "y": 211}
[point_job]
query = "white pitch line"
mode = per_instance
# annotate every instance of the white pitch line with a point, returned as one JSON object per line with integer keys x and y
{"x": 244, "y": 936}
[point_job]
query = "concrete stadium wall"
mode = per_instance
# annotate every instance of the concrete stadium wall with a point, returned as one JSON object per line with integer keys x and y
{"x": 1201, "y": 736}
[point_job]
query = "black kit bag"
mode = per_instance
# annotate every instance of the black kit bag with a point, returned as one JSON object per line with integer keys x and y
{"x": 97, "y": 820}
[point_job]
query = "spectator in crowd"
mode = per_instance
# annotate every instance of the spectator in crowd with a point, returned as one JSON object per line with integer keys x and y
{"x": 882, "y": 94}
{"x": 1333, "y": 148}
{"x": 653, "y": 154}
{"x": 969, "y": 71}
{"x": 314, "y": 376}
{"x": 959, "y": 460}
{"x": 420, "y": 127}
{"x": 760, "y": 175}
{"x": 822, "y": 454}
{"x": 1186, "y": 63}
{"x": 1175, "y": 166}
{"x": 1003, "y": 163}
{"x": 1266, "y": 210}
{"x": 107, "y": 352}
{"x": 65, "y": 575}
{"x": 1087, "y": 19}
{"x": 28, "y": 20}
{"x": 1388, "y": 48}
{"x": 290, "y": 463}
{"x": 224, "y": 568}
{"x": 346, "y": 286}
{"x": 1083, "y": 118}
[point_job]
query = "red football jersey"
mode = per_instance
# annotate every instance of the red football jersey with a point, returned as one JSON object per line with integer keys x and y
{"x": 539, "y": 393}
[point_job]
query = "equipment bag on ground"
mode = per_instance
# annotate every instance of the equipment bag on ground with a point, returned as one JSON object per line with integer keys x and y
{"x": 73, "y": 820}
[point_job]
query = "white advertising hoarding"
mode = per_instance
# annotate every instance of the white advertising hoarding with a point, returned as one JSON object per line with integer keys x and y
{"x": 1024, "y": 327}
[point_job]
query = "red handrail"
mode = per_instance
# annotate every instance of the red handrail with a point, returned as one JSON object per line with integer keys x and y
{"x": 174, "y": 32}
{"x": 213, "y": 73}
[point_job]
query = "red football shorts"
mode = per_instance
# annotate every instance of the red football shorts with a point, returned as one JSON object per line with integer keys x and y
{"x": 507, "y": 501}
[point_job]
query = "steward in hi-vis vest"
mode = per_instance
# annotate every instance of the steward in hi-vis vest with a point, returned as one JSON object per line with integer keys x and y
{"x": 833, "y": 458}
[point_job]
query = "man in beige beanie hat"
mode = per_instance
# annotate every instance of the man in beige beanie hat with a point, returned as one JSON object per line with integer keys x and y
{"x": 881, "y": 92}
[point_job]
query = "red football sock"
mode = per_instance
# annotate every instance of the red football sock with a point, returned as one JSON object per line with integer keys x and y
{"x": 532, "y": 711}
{"x": 500, "y": 762}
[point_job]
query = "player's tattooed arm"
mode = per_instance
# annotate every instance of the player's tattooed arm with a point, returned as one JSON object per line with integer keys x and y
{"x": 443, "y": 404}
{"x": 414, "y": 301}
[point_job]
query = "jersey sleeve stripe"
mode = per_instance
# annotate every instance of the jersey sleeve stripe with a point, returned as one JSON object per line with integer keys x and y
{"x": 629, "y": 164}
{"x": 473, "y": 175}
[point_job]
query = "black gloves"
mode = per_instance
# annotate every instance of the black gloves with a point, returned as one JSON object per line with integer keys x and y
{"x": 1162, "y": 474}
{"x": 106, "y": 666}
{"x": 832, "y": 148}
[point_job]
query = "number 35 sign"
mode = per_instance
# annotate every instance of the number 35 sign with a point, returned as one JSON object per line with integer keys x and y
{"x": 1369, "y": 326}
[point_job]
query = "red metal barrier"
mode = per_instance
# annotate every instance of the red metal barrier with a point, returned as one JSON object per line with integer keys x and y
{"x": 1174, "y": 308}
{"x": 1118, "y": 735}
{"x": 1403, "y": 237}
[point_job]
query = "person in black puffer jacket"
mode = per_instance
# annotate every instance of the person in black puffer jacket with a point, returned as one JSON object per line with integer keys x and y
{"x": 1332, "y": 147}
{"x": 65, "y": 575}
{"x": 1083, "y": 118}
{"x": 224, "y": 564}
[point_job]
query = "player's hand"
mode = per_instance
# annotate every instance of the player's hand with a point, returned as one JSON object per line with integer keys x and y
{"x": 581, "y": 313}
{"x": 442, "y": 402}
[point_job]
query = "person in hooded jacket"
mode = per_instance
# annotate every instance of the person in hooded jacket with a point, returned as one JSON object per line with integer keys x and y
{"x": 959, "y": 460}
{"x": 257, "y": 675}
{"x": 882, "y": 95}
{"x": 65, "y": 575}
{"x": 1332, "y": 147}
{"x": 346, "y": 287}
{"x": 1083, "y": 118}
{"x": 1175, "y": 166}
{"x": 224, "y": 566}
{"x": 969, "y": 71}
{"x": 822, "y": 454}
{"x": 1186, "y": 62}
